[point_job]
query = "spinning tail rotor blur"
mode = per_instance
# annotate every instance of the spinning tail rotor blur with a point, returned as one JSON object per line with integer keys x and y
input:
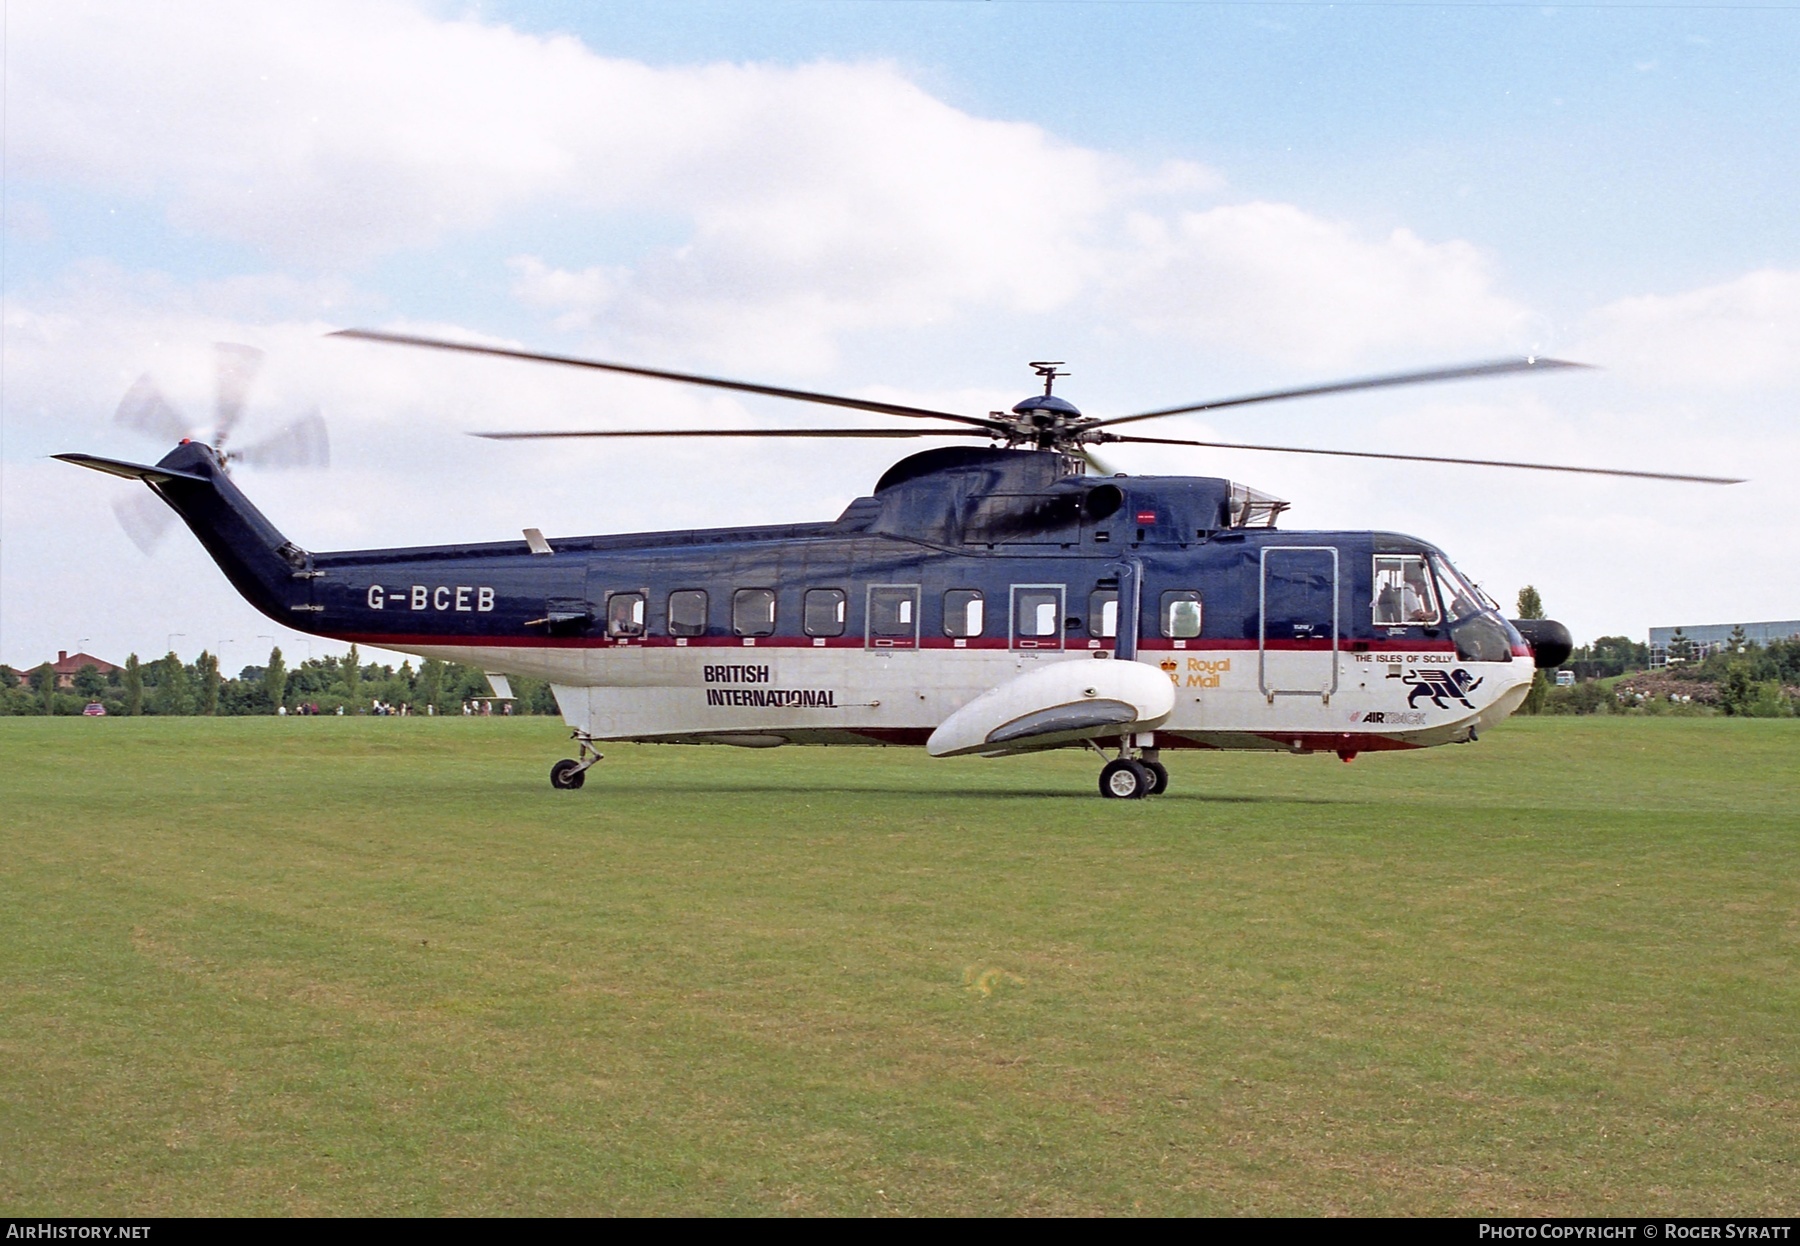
{"x": 301, "y": 444}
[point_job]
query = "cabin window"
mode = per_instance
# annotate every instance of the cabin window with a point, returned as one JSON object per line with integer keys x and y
{"x": 1037, "y": 614}
{"x": 625, "y": 614}
{"x": 1403, "y": 592}
{"x": 964, "y": 612}
{"x": 894, "y": 612}
{"x": 1181, "y": 614}
{"x": 753, "y": 611}
{"x": 826, "y": 609}
{"x": 687, "y": 612}
{"x": 1103, "y": 613}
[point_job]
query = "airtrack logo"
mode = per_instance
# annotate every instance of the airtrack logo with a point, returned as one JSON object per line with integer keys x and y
{"x": 1389, "y": 718}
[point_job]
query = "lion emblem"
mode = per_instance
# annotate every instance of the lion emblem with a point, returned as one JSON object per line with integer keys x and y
{"x": 1439, "y": 685}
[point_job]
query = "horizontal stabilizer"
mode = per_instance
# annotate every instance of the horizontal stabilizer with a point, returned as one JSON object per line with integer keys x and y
{"x": 131, "y": 471}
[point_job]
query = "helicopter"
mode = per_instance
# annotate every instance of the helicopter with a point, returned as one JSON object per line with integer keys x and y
{"x": 994, "y": 599}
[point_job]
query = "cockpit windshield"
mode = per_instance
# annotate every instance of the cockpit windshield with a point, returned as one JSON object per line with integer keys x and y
{"x": 1461, "y": 598}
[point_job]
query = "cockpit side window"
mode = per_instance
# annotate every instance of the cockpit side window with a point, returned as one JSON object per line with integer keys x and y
{"x": 1403, "y": 591}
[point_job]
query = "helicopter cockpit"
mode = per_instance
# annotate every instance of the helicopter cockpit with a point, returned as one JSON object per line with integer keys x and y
{"x": 1424, "y": 590}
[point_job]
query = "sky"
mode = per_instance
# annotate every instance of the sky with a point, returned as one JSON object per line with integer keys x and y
{"x": 909, "y": 201}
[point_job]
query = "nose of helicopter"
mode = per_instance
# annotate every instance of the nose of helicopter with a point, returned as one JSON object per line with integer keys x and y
{"x": 1551, "y": 644}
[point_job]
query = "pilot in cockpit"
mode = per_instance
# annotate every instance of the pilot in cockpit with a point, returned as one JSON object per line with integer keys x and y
{"x": 1415, "y": 594}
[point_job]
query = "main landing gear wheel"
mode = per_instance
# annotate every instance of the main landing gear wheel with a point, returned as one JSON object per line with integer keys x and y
{"x": 1159, "y": 777}
{"x": 1125, "y": 779}
{"x": 569, "y": 774}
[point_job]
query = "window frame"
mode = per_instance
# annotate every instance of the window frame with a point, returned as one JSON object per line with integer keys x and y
{"x": 843, "y": 611}
{"x": 1432, "y": 587}
{"x": 1048, "y": 640}
{"x": 1098, "y": 600}
{"x": 641, "y": 627}
{"x": 1165, "y": 618}
{"x": 674, "y": 629}
{"x": 899, "y": 640}
{"x": 974, "y": 597}
{"x": 737, "y": 595}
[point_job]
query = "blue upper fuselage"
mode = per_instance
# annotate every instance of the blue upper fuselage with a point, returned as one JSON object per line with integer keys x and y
{"x": 940, "y": 526}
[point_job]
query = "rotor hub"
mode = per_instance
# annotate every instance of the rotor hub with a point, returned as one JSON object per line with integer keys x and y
{"x": 1045, "y": 410}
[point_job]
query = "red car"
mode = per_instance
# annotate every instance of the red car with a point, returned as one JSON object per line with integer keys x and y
{"x": 94, "y": 710}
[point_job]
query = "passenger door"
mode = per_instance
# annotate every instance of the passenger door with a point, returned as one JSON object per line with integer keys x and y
{"x": 1298, "y": 637}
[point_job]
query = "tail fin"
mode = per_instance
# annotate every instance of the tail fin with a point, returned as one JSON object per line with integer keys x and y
{"x": 272, "y": 573}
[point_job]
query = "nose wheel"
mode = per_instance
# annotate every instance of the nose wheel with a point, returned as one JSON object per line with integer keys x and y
{"x": 569, "y": 774}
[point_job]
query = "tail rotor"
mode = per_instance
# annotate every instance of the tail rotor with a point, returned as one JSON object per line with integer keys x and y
{"x": 145, "y": 518}
{"x": 302, "y": 443}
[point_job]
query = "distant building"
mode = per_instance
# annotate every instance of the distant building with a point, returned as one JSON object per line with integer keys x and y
{"x": 1707, "y": 639}
{"x": 68, "y": 665}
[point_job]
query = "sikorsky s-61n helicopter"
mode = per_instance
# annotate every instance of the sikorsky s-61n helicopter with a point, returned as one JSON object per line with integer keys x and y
{"x": 991, "y": 599}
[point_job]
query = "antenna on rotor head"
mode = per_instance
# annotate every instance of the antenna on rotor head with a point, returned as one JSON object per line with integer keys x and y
{"x": 1047, "y": 368}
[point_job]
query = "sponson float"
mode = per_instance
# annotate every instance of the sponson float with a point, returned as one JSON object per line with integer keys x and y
{"x": 989, "y": 600}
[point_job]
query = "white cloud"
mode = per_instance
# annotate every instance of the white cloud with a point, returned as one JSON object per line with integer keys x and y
{"x": 323, "y": 130}
{"x": 1736, "y": 334}
{"x": 836, "y": 196}
{"x": 814, "y": 201}
{"x": 1275, "y": 279}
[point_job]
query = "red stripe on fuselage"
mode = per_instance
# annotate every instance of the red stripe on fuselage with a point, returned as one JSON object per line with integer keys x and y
{"x": 1152, "y": 644}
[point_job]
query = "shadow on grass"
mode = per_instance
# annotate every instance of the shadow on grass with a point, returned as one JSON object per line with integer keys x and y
{"x": 849, "y": 789}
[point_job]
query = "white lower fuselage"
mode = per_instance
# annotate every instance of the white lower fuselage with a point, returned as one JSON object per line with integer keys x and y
{"x": 769, "y": 691}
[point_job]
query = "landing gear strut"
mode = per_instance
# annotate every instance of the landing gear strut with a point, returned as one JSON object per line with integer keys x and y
{"x": 1135, "y": 773}
{"x": 568, "y": 774}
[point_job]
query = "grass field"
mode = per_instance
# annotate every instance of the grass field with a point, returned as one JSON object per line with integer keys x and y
{"x": 379, "y": 966}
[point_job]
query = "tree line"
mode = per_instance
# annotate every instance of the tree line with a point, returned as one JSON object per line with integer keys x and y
{"x": 1742, "y": 679}
{"x": 168, "y": 686}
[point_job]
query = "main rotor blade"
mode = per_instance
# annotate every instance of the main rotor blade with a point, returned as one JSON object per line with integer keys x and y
{"x": 748, "y": 432}
{"x": 689, "y": 378}
{"x": 1096, "y": 464}
{"x": 1493, "y": 367}
{"x": 237, "y": 368}
{"x": 1433, "y": 458}
{"x": 303, "y": 443}
{"x": 145, "y": 409}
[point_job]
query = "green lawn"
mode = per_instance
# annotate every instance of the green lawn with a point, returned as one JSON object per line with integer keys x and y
{"x": 379, "y": 966}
